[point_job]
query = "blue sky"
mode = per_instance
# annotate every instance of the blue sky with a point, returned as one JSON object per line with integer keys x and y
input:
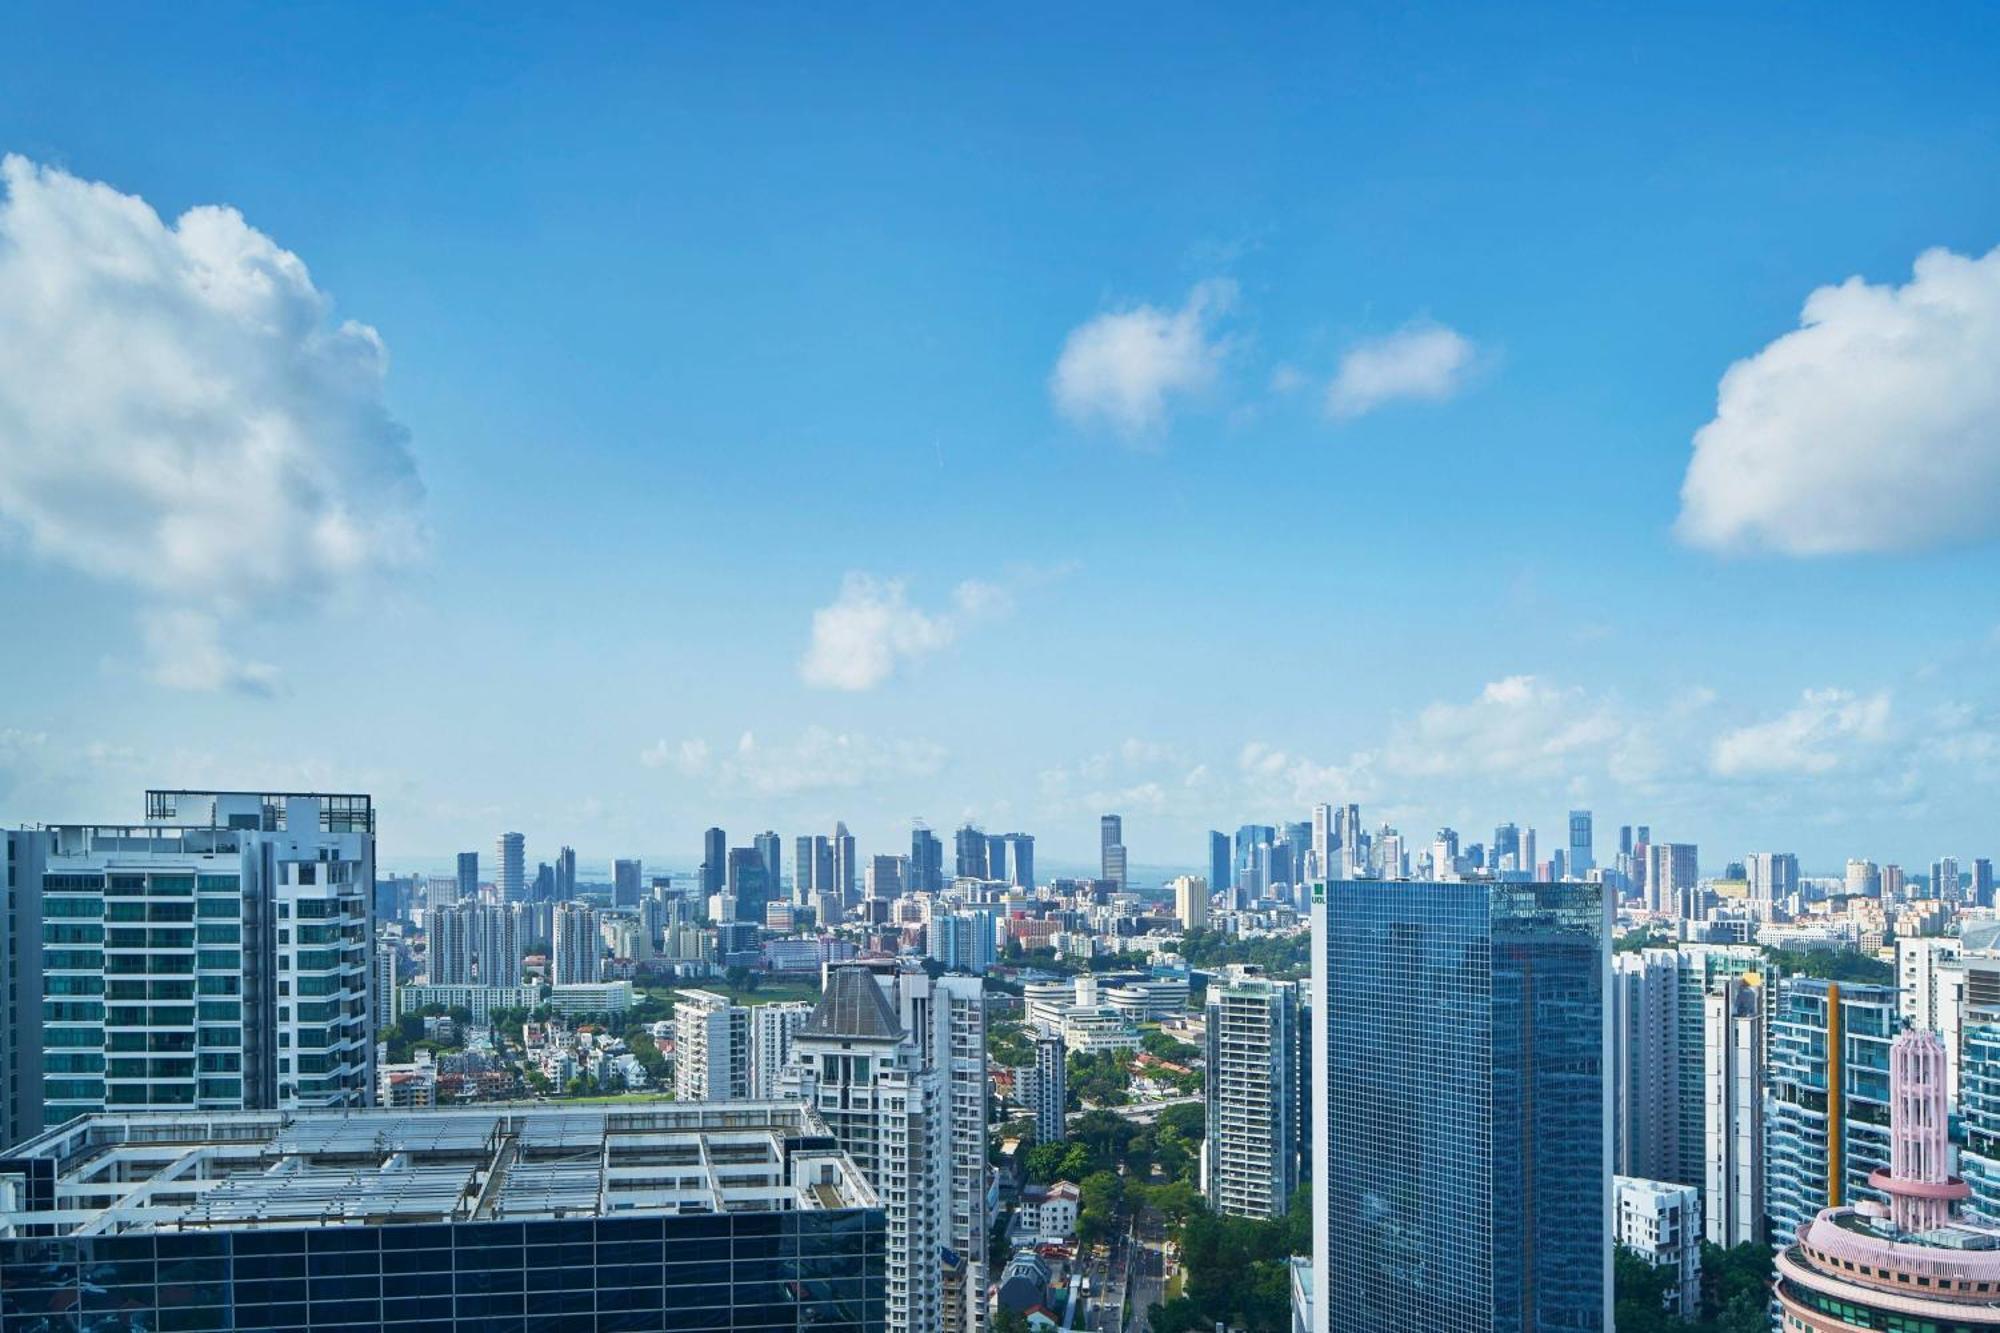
{"x": 691, "y": 316}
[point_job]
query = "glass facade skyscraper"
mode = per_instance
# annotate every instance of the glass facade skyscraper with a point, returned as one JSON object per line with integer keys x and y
{"x": 1827, "y": 1123}
{"x": 1461, "y": 1135}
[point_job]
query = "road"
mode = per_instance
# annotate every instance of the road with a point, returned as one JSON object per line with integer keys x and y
{"x": 1148, "y": 1268}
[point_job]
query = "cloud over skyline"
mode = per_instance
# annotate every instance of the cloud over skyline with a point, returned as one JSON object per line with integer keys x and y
{"x": 181, "y": 415}
{"x": 1872, "y": 427}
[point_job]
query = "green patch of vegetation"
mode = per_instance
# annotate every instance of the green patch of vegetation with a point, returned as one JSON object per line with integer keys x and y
{"x": 1735, "y": 1292}
{"x": 1103, "y": 1077}
{"x": 1237, "y": 1271}
{"x": 1831, "y": 965}
{"x": 1278, "y": 955}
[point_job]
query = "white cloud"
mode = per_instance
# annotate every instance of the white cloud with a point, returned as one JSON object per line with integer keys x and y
{"x": 1124, "y": 366}
{"x": 858, "y": 641}
{"x": 872, "y": 627}
{"x": 690, "y": 757}
{"x": 187, "y": 654}
{"x": 1422, "y": 360}
{"x": 179, "y": 414}
{"x": 1824, "y": 730}
{"x": 1874, "y": 426}
{"x": 823, "y": 759}
{"x": 1517, "y": 726}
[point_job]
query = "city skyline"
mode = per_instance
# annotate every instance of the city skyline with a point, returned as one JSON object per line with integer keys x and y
{"x": 1069, "y": 405}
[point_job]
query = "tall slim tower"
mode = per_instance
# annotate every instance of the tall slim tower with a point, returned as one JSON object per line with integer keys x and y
{"x": 510, "y": 873}
{"x": 714, "y": 861}
{"x": 1733, "y": 1097}
{"x": 846, "y": 870}
{"x": 468, "y": 876}
{"x": 1461, "y": 1169}
{"x": 565, "y": 874}
{"x": 1582, "y": 853}
{"x": 1250, "y": 1152}
{"x": 578, "y": 945}
{"x": 1111, "y": 837}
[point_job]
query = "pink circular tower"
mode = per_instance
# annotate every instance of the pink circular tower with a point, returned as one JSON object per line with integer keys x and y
{"x": 1921, "y": 1189}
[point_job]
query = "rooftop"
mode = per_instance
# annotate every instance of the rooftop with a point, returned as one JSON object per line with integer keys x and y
{"x": 117, "y": 1174}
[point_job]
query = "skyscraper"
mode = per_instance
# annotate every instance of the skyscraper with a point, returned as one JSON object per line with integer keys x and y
{"x": 1323, "y": 843}
{"x": 565, "y": 874}
{"x": 1250, "y": 1151}
{"x": 1021, "y": 860}
{"x": 579, "y": 949}
{"x": 1673, "y": 880}
{"x": 468, "y": 876}
{"x": 510, "y": 879}
{"x": 846, "y": 870}
{"x": 1982, "y": 882}
{"x": 177, "y": 957}
{"x": 1774, "y": 876}
{"x": 1582, "y": 853}
{"x": 996, "y": 856}
{"x": 1507, "y": 842}
{"x": 812, "y": 870}
{"x": 770, "y": 848}
{"x": 21, "y": 1016}
{"x": 1460, "y": 1131}
{"x": 1221, "y": 872}
{"x": 969, "y": 847}
{"x": 748, "y": 883}
{"x": 1111, "y": 837}
{"x": 896, "y": 1063}
{"x": 1944, "y": 879}
{"x": 1826, "y": 1097}
{"x": 926, "y": 861}
{"x": 1733, "y": 1129}
{"x": 626, "y": 877}
{"x": 711, "y": 1047}
{"x": 714, "y": 861}
{"x": 772, "y": 1027}
{"x": 1051, "y": 1100}
{"x": 1191, "y": 902}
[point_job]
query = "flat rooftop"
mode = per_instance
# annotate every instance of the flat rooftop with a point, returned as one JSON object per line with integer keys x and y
{"x": 119, "y": 1174}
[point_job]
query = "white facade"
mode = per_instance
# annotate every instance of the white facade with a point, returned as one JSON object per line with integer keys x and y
{"x": 1250, "y": 1152}
{"x": 1930, "y": 979}
{"x": 1733, "y": 1103}
{"x": 772, "y": 1027}
{"x": 1661, "y": 1223}
{"x": 1191, "y": 900}
{"x": 579, "y": 948}
{"x": 711, "y": 1048}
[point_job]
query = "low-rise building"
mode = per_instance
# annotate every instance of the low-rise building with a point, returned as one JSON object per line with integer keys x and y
{"x": 1661, "y": 1223}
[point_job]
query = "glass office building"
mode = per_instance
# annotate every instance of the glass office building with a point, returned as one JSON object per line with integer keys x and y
{"x": 1462, "y": 1141}
{"x": 662, "y": 1216}
{"x": 1826, "y": 1124}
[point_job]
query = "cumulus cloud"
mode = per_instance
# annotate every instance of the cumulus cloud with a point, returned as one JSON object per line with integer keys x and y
{"x": 180, "y": 414}
{"x": 1874, "y": 426}
{"x": 872, "y": 627}
{"x": 1122, "y": 368}
{"x": 1519, "y": 725}
{"x": 1422, "y": 361}
{"x": 1824, "y": 730}
{"x": 822, "y": 759}
{"x": 690, "y": 756}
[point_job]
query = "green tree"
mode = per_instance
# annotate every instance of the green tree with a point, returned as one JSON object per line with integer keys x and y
{"x": 1101, "y": 1195}
{"x": 1639, "y": 1295}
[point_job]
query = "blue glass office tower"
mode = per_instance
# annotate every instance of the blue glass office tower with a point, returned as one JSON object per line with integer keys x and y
{"x": 1461, "y": 1149}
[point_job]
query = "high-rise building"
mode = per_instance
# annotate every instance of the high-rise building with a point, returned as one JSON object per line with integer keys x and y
{"x": 1944, "y": 879}
{"x": 452, "y": 1220}
{"x": 497, "y": 942}
{"x": 21, "y": 1017}
{"x": 468, "y": 876}
{"x": 1111, "y": 858}
{"x": 1826, "y": 1109}
{"x": 1733, "y": 1102}
{"x": 748, "y": 883}
{"x": 1978, "y": 1097}
{"x": 1191, "y": 901}
{"x": 846, "y": 868}
{"x": 714, "y": 861}
{"x": 216, "y": 957}
{"x": 996, "y": 856}
{"x": 1892, "y": 883}
{"x": 1864, "y": 880}
{"x": 1658, "y": 1102}
{"x": 1221, "y": 871}
{"x": 1324, "y": 844}
{"x": 883, "y": 879}
{"x": 1673, "y": 880}
{"x": 711, "y": 1048}
{"x": 770, "y": 847}
{"x": 963, "y": 941}
{"x": 626, "y": 877}
{"x": 579, "y": 948}
{"x": 1901, "y": 1260}
{"x": 812, "y": 870}
{"x": 565, "y": 874}
{"x": 1050, "y": 1106}
{"x": 510, "y": 879}
{"x": 926, "y": 861}
{"x": 1982, "y": 882}
{"x": 1506, "y": 843}
{"x": 1460, "y": 1128}
{"x": 1021, "y": 860}
{"x": 1774, "y": 876}
{"x": 970, "y": 853}
{"x": 1582, "y": 852}
{"x": 896, "y": 1064}
{"x": 772, "y": 1027}
{"x": 1660, "y": 1223}
{"x": 1251, "y": 1148}
{"x": 1528, "y": 863}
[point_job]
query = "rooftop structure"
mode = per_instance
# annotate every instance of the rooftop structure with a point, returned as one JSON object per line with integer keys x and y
{"x": 653, "y": 1215}
{"x": 1910, "y": 1263}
